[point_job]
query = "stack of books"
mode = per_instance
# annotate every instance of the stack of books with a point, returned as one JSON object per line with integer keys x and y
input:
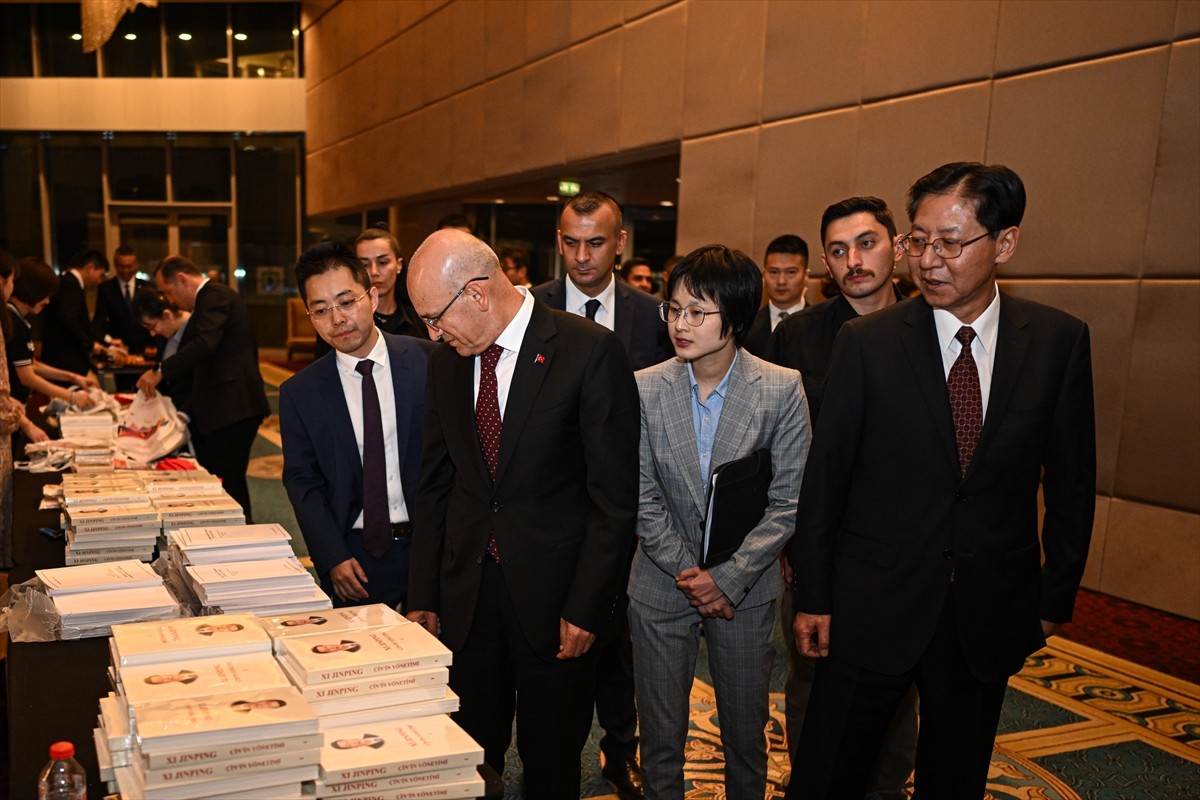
{"x": 181, "y": 482}
{"x": 260, "y": 743}
{"x": 91, "y": 599}
{"x": 339, "y": 620}
{"x": 195, "y": 511}
{"x": 229, "y": 543}
{"x": 270, "y": 586}
{"x": 82, "y": 426}
{"x": 409, "y": 758}
{"x": 359, "y": 676}
{"x": 192, "y": 637}
{"x": 108, "y": 518}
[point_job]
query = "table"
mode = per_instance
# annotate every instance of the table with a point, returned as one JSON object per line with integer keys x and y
{"x": 54, "y": 688}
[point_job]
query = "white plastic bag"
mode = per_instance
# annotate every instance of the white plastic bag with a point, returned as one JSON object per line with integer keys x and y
{"x": 150, "y": 429}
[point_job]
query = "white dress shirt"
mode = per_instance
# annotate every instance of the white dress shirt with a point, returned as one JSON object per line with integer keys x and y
{"x": 352, "y": 388}
{"x": 576, "y": 302}
{"x": 510, "y": 339}
{"x": 983, "y": 346}
{"x": 776, "y": 311}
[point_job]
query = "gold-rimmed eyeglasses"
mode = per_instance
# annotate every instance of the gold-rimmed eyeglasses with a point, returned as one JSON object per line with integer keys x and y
{"x": 344, "y": 307}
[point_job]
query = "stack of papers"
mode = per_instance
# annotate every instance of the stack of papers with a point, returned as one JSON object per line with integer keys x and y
{"x": 358, "y": 676}
{"x": 230, "y": 543}
{"x": 420, "y": 757}
{"x": 271, "y": 586}
{"x": 253, "y": 743}
{"x": 333, "y": 622}
{"x": 92, "y": 598}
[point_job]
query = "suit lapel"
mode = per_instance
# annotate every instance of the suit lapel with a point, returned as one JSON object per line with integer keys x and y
{"x": 741, "y": 402}
{"x": 624, "y": 311}
{"x": 681, "y": 432}
{"x": 534, "y": 362}
{"x": 921, "y": 344}
{"x": 1012, "y": 343}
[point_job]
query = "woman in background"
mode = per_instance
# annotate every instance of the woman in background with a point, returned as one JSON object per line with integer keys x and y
{"x": 379, "y": 252}
{"x": 11, "y": 414}
{"x": 35, "y": 284}
{"x": 168, "y": 324}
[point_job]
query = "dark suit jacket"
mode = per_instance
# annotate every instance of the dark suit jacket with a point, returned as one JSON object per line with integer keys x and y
{"x": 804, "y": 342}
{"x": 66, "y": 331}
{"x": 757, "y": 337}
{"x": 564, "y": 502}
{"x": 322, "y": 468}
{"x": 636, "y": 323}
{"x": 888, "y": 516}
{"x": 220, "y": 352}
{"x": 112, "y": 316}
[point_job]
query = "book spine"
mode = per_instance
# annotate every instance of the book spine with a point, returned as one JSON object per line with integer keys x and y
{"x": 403, "y": 768}
{"x": 451, "y": 791}
{"x": 223, "y": 769}
{"x": 374, "y": 670}
{"x": 453, "y": 775}
{"x": 180, "y": 759}
{"x": 394, "y": 683}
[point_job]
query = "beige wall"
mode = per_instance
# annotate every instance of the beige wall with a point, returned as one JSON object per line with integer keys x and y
{"x": 783, "y": 107}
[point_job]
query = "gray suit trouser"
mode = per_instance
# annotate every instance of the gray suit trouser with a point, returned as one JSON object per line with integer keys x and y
{"x": 740, "y": 653}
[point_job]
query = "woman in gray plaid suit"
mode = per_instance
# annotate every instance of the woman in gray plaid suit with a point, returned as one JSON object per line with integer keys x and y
{"x": 712, "y": 404}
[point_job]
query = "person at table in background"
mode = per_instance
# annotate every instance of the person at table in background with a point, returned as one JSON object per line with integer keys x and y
{"x": 352, "y": 439}
{"x": 636, "y": 272}
{"x": 785, "y": 276}
{"x": 525, "y": 510}
{"x": 34, "y": 286}
{"x": 917, "y": 557}
{"x": 168, "y": 324}
{"x": 713, "y": 404}
{"x": 113, "y": 321}
{"x": 220, "y": 352}
{"x": 379, "y": 252}
{"x": 12, "y": 411}
{"x": 67, "y": 341}
{"x": 860, "y": 249}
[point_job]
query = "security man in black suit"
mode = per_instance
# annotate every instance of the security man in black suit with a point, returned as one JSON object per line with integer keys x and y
{"x": 591, "y": 239}
{"x": 113, "y": 321}
{"x": 67, "y": 341}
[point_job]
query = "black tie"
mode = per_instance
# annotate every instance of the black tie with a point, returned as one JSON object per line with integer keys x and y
{"x": 590, "y": 308}
{"x": 377, "y": 526}
{"x": 128, "y": 295}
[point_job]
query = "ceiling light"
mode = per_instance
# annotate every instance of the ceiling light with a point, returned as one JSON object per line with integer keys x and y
{"x": 241, "y": 37}
{"x": 499, "y": 201}
{"x": 553, "y": 198}
{"x": 78, "y": 37}
{"x": 295, "y": 33}
{"x": 185, "y": 37}
{"x": 665, "y": 203}
{"x": 129, "y": 37}
{"x": 262, "y": 72}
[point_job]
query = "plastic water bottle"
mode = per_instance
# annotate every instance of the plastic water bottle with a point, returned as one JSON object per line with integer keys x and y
{"x": 63, "y": 778}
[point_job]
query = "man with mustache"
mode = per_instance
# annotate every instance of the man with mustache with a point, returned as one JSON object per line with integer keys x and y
{"x": 858, "y": 238}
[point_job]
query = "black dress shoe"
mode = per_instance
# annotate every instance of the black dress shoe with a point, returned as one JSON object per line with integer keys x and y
{"x": 626, "y": 777}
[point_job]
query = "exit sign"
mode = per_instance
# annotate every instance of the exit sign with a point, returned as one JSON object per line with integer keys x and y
{"x": 568, "y": 188}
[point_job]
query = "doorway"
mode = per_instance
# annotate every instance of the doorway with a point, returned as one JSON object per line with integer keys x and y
{"x": 204, "y": 236}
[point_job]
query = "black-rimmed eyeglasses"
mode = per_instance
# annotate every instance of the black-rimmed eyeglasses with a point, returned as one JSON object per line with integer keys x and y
{"x": 344, "y": 307}
{"x": 944, "y": 248}
{"x": 433, "y": 321}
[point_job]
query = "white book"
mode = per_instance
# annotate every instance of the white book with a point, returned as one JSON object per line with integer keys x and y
{"x": 227, "y": 535}
{"x": 318, "y": 603}
{"x": 198, "y": 507}
{"x": 104, "y": 497}
{"x": 256, "y": 784}
{"x": 376, "y": 615}
{"x": 103, "y": 757}
{"x": 370, "y": 653}
{"x": 148, "y": 599}
{"x": 114, "y": 722}
{"x": 229, "y": 555}
{"x": 229, "y": 751}
{"x": 441, "y": 791}
{"x": 218, "y": 770}
{"x": 200, "y": 677}
{"x": 384, "y": 714}
{"x": 84, "y": 559}
{"x": 115, "y": 575}
{"x": 359, "y": 687}
{"x": 371, "y": 787}
{"x": 244, "y": 575}
{"x": 247, "y": 717}
{"x": 111, "y": 514}
{"x": 194, "y": 637}
{"x": 420, "y": 744}
{"x": 402, "y": 697}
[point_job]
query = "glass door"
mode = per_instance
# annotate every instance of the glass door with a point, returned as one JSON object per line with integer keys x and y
{"x": 203, "y": 236}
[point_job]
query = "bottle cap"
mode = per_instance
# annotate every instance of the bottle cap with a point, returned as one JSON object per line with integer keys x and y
{"x": 61, "y": 750}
